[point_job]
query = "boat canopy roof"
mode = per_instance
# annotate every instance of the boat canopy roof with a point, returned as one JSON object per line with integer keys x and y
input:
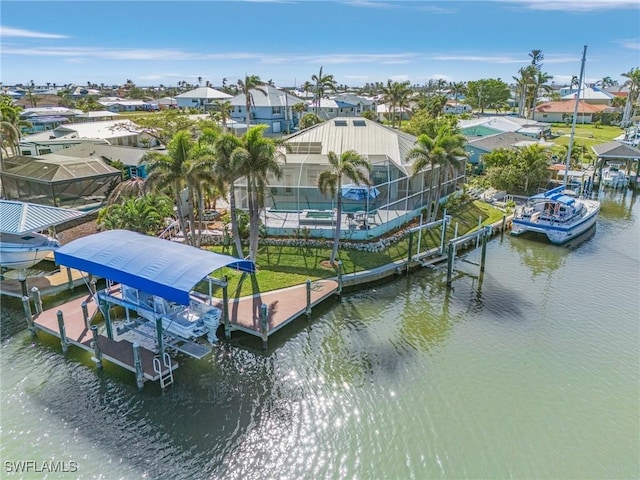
{"x": 20, "y": 217}
{"x": 160, "y": 267}
{"x": 555, "y": 195}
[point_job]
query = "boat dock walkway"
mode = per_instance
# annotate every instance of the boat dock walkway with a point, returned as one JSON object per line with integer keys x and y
{"x": 63, "y": 279}
{"x": 76, "y": 333}
{"x": 282, "y": 307}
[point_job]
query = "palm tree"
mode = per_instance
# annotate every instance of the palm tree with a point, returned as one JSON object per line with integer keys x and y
{"x": 251, "y": 82}
{"x": 352, "y": 165}
{"x": 256, "y": 159}
{"x": 322, "y": 82}
{"x": 224, "y": 147}
{"x": 171, "y": 172}
{"x": 396, "y": 94}
{"x": 457, "y": 88}
{"x": 143, "y": 214}
{"x": 633, "y": 83}
{"x": 223, "y": 109}
{"x": 441, "y": 151}
{"x": 539, "y": 83}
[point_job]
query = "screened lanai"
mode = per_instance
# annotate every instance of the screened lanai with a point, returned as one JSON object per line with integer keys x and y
{"x": 59, "y": 181}
{"x": 295, "y": 202}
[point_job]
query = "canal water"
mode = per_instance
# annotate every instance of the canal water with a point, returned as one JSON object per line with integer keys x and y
{"x": 532, "y": 372}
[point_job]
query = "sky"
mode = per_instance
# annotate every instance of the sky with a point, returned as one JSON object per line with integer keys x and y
{"x": 287, "y": 41}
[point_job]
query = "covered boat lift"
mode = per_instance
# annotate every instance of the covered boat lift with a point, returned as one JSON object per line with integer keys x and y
{"x": 160, "y": 267}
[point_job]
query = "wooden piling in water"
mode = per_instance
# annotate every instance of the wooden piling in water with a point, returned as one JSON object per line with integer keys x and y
{"x": 483, "y": 256}
{"x": 23, "y": 285}
{"x": 137, "y": 362}
{"x": 63, "y": 332}
{"x": 225, "y": 310}
{"x": 97, "y": 354}
{"x": 26, "y": 304}
{"x": 308, "y": 309}
{"x": 85, "y": 314}
{"x": 159, "y": 336}
{"x": 37, "y": 300}
{"x": 339, "y": 291}
{"x": 450, "y": 262}
{"x": 264, "y": 325}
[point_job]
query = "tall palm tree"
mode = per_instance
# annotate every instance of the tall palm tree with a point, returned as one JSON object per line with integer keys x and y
{"x": 224, "y": 147}
{"x": 172, "y": 172}
{"x": 322, "y": 83}
{"x": 396, "y": 94}
{"x": 250, "y": 82}
{"x": 440, "y": 151}
{"x": 256, "y": 159}
{"x": 539, "y": 83}
{"x": 457, "y": 88}
{"x": 633, "y": 83}
{"x": 352, "y": 165}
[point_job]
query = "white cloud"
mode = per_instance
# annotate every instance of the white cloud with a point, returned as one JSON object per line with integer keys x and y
{"x": 18, "y": 32}
{"x": 574, "y": 5}
{"x": 372, "y": 4}
{"x": 630, "y": 44}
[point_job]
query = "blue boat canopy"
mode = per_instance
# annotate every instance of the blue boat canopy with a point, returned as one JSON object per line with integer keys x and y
{"x": 160, "y": 267}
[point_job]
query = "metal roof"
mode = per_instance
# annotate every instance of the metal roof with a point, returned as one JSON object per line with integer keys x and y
{"x": 266, "y": 96}
{"x": 21, "y": 217}
{"x": 160, "y": 267}
{"x": 616, "y": 149}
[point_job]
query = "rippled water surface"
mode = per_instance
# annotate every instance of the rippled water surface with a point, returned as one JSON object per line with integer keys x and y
{"x": 531, "y": 373}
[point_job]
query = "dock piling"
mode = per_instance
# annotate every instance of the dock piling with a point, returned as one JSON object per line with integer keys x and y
{"x": 28, "y": 315}
{"x": 504, "y": 224}
{"x": 97, "y": 354}
{"x": 264, "y": 325}
{"x": 160, "y": 335}
{"x": 69, "y": 278}
{"x": 23, "y": 284}
{"x": 137, "y": 362}
{"x": 85, "y": 315}
{"x": 37, "y": 300}
{"x": 450, "y": 260}
{"x": 409, "y": 250}
{"x": 339, "y": 291}
{"x": 63, "y": 332}
{"x": 443, "y": 234}
{"x": 483, "y": 256}
{"x": 225, "y": 309}
{"x": 308, "y": 309}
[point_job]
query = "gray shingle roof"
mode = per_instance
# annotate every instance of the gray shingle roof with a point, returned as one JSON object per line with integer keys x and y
{"x": 267, "y": 96}
{"x": 500, "y": 140}
{"x": 616, "y": 149}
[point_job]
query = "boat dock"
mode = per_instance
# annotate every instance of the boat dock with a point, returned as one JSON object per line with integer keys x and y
{"x": 74, "y": 329}
{"x": 264, "y": 314}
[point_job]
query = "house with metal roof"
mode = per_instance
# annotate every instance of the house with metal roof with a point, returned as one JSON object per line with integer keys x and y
{"x": 398, "y": 196}
{"x": 96, "y": 116}
{"x": 619, "y": 152}
{"x": 480, "y": 146}
{"x": 122, "y": 132}
{"x": 199, "y": 97}
{"x": 269, "y": 106}
{"x": 590, "y": 95}
{"x": 492, "y": 125}
{"x": 130, "y": 157}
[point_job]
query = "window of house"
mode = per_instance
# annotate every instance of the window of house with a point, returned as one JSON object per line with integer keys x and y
{"x": 276, "y": 110}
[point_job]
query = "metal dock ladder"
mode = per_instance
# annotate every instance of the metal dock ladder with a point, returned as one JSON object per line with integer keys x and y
{"x": 166, "y": 378}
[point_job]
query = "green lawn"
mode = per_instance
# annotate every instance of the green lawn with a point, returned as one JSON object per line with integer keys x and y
{"x": 281, "y": 267}
{"x": 587, "y": 135}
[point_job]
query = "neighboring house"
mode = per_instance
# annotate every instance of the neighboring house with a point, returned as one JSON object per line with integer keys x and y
{"x": 166, "y": 102}
{"x": 124, "y": 132}
{"x": 491, "y": 125}
{"x": 200, "y": 97}
{"x": 47, "y": 118}
{"x": 558, "y": 112}
{"x": 590, "y": 95}
{"x": 478, "y": 147}
{"x": 124, "y": 105}
{"x": 95, "y": 116}
{"x": 456, "y": 108}
{"x": 269, "y": 106}
{"x": 331, "y": 108}
{"x": 399, "y": 195}
{"x": 130, "y": 157}
{"x": 362, "y": 104}
{"x": 383, "y": 110}
{"x": 42, "y": 147}
{"x": 82, "y": 92}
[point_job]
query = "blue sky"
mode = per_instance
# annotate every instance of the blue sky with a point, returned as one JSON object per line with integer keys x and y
{"x": 162, "y": 42}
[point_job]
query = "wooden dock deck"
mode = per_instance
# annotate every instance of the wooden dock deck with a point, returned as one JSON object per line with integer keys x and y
{"x": 64, "y": 279}
{"x": 283, "y": 306}
{"x": 117, "y": 352}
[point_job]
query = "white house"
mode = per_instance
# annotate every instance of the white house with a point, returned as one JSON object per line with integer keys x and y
{"x": 199, "y": 97}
